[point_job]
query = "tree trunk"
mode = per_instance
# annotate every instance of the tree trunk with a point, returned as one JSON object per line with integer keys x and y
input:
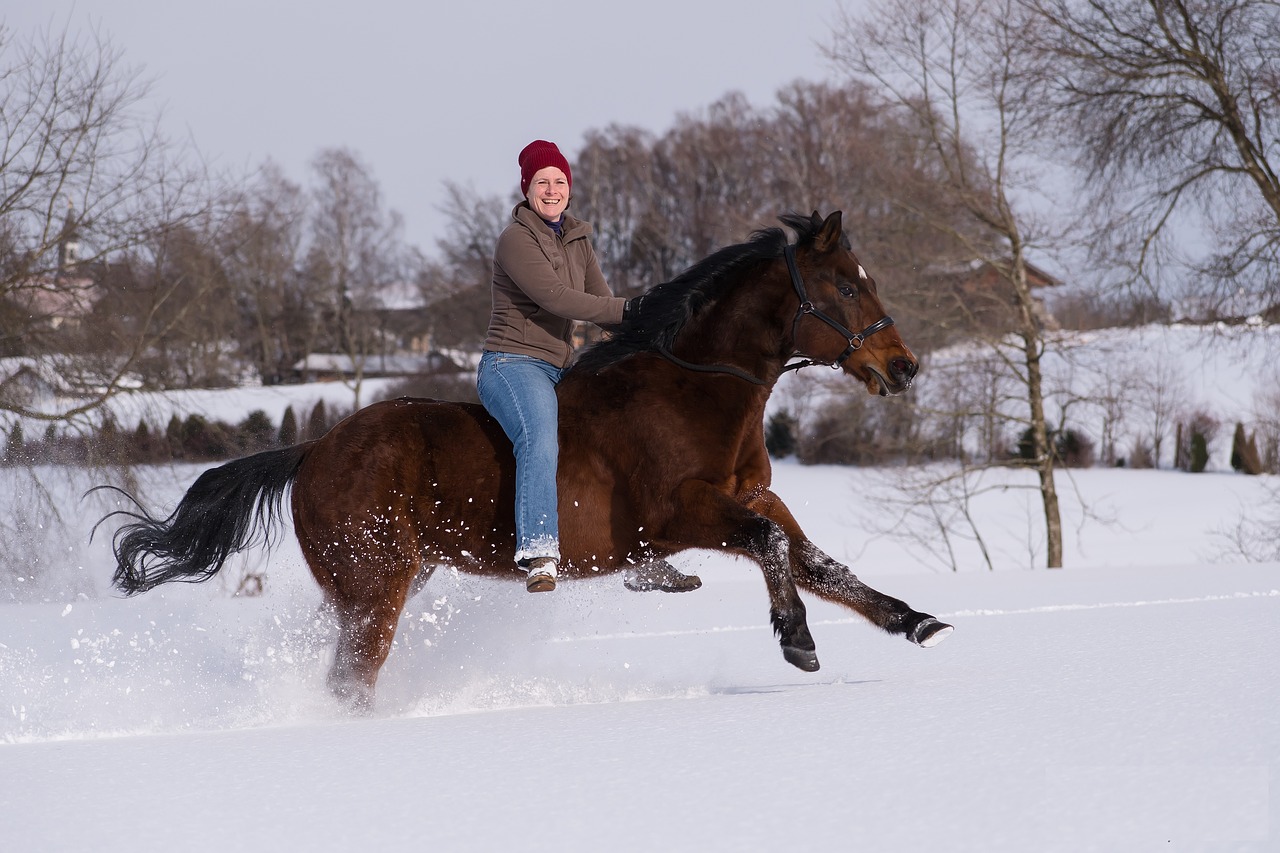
{"x": 1033, "y": 345}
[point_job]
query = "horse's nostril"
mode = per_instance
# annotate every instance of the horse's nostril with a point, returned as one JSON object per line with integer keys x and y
{"x": 903, "y": 368}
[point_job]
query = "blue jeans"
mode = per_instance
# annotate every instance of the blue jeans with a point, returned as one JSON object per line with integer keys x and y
{"x": 520, "y": 392}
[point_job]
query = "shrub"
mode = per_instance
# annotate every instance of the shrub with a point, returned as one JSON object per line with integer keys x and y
{"x": 255, "y": 432}
{"x": 1194, "y": 437}
{"x": 1244, "y": 452}
{"x": 780, "y": 435}
{"x": 318, "y": 423}
{"x": 288, "y": 435}
{"x": 206, "y": 440}
{"x": 13, "y": 449}
{"x": 854, "y": 431}
{"x": 1071, "y": 448}
{"x": 1074, "y": 449}
{"x": 173, "y": 437}
{"x": 143, "y": 447}
{"x": 1143, "y": 455}
{"x": 108, "y": 446}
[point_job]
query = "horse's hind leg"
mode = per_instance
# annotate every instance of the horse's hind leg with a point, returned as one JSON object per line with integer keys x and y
{"x": 420, "y": 580}
{"x": 822, "y": 575}
{"x": 365, "y": 633}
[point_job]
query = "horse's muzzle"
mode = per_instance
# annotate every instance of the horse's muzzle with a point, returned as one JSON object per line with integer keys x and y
{"x": 903, "y": 370}
{"x": 900, "y": 372}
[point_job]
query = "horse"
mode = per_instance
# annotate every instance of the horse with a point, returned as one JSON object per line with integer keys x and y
{"x": 662, "y": 450}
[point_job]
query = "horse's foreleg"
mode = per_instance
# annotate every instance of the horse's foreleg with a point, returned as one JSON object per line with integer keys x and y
{"x": 707, "y": 518}
{"x": 818, "y": 573}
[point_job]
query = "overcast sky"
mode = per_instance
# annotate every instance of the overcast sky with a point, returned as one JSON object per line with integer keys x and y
{"x": 429, "y": 91}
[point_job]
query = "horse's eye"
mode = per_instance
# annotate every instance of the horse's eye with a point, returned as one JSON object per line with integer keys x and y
{"x": 846, "y": 290}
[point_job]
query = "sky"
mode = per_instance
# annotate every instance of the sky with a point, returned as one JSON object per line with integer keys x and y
{"x": 428, "y": 92}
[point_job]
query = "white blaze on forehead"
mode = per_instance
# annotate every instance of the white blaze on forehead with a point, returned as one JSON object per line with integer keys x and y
{"x": 862, "y": 274}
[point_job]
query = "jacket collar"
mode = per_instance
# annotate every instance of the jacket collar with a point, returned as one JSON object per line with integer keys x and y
{"x": 572, "y": 227}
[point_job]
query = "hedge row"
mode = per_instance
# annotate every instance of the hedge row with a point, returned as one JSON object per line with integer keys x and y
{"x": 190, "y": 439}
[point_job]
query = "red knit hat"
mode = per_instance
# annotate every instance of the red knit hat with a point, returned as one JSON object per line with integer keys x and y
{"x": 540, "y": 154}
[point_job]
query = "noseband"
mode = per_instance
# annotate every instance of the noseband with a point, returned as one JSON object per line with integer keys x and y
{"x": 855, "y": 339}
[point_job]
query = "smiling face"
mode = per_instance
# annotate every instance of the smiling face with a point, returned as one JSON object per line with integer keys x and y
{"x": 549, "y": 193}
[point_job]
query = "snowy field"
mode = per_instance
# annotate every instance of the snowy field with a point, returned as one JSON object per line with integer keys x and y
{"x": 1127, "y": 702}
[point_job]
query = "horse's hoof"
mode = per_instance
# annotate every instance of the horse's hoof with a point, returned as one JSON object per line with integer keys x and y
{"x": 355, "y": 698}
{"x": 806, "y": 659}
{"x": 660, "y": 577}
{"x": 930, "y": 632}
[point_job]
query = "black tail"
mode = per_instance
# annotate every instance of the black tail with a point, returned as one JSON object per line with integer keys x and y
{"x": 214, "y": 520}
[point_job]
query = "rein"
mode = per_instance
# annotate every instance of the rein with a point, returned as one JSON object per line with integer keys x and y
{"x": 855, "y": 339}
{"x": 710, "y": 368}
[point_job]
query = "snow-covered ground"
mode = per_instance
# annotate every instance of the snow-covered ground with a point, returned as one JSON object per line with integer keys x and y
{"x": 1126, "y": 702}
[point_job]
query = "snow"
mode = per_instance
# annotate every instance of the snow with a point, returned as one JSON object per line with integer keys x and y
{"x": 1126, "y": 702}
{"x": 232, "y": 405}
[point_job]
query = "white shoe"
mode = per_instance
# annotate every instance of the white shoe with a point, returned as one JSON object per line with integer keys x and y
{"x": 542, "y": 575}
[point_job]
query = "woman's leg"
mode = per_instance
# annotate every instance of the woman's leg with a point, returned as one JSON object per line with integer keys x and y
{"x": 520, "y": 392}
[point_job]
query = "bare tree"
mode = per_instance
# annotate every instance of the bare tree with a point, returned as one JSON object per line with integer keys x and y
{"x": 84, "y": 176}
{"x": 456, "y": 287}
{"x": 1174, "y": 106}
{"x": 659, "y": 204}
{"x": 617, "y": 193}
{"x": 356, "y": 252}
{"x": 1161, "y": 399}
{"x": 955, "y": 67}
{"x": 261, "y": 247}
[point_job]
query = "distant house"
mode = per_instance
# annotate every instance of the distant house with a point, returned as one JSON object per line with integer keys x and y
{"x": 36, "y": 384}
{"x": 63, "y": 298}
{"x": 984, "y": 288}
{"x": 401, "y": 315}
{"x": 322, "y": 366}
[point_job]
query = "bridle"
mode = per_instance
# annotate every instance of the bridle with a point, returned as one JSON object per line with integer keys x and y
{"x": 855, "y": 339}
{"x": 807, "y": 307}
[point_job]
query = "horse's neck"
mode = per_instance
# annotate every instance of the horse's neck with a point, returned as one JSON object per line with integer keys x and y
{"x": 743, "y": 330}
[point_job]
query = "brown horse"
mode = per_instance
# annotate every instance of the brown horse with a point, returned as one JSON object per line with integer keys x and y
{"x": 662, "y": 450}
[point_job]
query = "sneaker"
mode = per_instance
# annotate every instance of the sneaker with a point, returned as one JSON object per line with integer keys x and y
{"x": 542, "y": 575}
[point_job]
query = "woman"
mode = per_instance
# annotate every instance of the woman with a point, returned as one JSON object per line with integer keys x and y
{"x": 545, "y": 276}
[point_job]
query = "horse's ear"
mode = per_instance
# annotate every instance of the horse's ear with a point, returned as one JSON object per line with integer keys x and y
{"x": 829, "y": 234}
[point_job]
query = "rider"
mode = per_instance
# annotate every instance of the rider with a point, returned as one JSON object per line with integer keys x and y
{"x": 545, "y": 276}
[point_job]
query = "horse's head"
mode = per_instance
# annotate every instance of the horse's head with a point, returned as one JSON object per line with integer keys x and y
{"x": 840, "y": 320}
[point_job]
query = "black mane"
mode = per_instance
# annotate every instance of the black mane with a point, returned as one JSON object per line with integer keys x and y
{"x": 667, "y": 307}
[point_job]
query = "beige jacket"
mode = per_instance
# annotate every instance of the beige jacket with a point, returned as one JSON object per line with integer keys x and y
{"x": 542, "y": 283}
